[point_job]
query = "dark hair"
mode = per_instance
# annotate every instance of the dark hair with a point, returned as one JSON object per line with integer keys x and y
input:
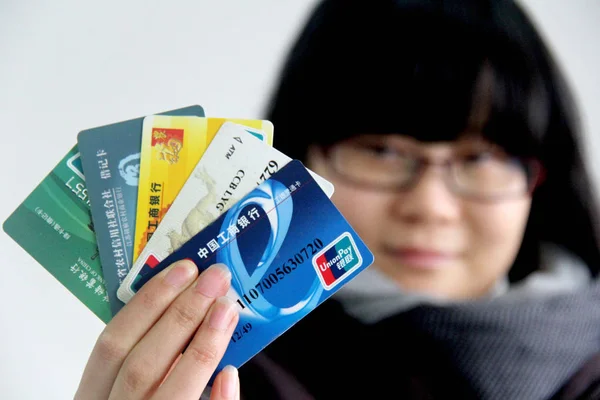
{"x": 434, "y": 70}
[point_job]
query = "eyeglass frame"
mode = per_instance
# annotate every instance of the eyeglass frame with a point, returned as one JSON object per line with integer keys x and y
{"x": 423, "y": 163}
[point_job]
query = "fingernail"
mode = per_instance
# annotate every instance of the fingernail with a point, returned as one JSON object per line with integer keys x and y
{"x": 221, "y": 313}
{"x": 229, "y": 383}
{"x": 180, "y": 273}
{"x": 212, "y": 281}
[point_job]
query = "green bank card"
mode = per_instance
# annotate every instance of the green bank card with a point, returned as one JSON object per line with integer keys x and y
{"x": 54, "y": 226}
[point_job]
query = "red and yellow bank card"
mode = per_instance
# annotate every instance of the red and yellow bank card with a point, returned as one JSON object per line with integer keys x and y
{"x": 171, "y": 148}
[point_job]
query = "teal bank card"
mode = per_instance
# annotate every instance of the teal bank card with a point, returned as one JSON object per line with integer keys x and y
{"x": 54, "y": 226}
{"x": 110, "y": 156}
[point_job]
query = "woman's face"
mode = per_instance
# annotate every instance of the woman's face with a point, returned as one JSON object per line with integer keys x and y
{"x": 427, "y": 238}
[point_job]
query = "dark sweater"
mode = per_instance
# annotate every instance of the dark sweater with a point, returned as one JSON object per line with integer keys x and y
{"x": 544, "y": 348}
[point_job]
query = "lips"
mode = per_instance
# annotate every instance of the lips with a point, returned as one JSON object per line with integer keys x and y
{"x": 421, "y": 257}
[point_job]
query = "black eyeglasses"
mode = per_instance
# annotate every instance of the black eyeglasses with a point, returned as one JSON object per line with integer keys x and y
{"x": 481, "y": 173}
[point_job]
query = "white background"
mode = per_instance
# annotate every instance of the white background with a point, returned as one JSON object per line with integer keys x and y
{"x": 70, "y": 65}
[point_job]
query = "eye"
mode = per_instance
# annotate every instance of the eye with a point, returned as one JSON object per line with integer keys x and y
{"x": 478, "y": 156}
{"x": 379, "y": 149}
{"x": 378, "y": 152}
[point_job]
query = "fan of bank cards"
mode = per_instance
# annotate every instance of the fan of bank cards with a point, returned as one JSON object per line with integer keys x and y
{"x": 132, "y": 197}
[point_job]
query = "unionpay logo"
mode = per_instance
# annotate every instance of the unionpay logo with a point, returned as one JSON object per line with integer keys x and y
{"x": 337, "y": 261}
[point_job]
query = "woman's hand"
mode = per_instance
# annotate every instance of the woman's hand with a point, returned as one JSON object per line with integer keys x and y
{"x": 137, "y": 356}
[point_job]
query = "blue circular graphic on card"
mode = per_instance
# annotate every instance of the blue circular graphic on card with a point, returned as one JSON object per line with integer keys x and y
{"x": 263, "y": 219}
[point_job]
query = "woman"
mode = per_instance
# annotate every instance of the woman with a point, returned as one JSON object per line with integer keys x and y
{"x": 451, "y": 141}
{"x": 450, "y": 137}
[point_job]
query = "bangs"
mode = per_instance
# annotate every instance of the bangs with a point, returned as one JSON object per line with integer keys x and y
{"x": 415, "y": 73}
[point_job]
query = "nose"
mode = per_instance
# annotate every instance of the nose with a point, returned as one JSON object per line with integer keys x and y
{"x": 429, "y": 200}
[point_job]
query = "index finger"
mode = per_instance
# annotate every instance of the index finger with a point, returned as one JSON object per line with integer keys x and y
{"x": 130, "y": 325}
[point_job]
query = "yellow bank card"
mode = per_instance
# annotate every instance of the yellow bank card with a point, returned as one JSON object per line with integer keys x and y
{"x": 171, "y": 148}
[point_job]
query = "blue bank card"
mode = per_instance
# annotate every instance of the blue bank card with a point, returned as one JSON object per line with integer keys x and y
{"x": 110, "y": 157}
{"x": 288, "y": 248}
